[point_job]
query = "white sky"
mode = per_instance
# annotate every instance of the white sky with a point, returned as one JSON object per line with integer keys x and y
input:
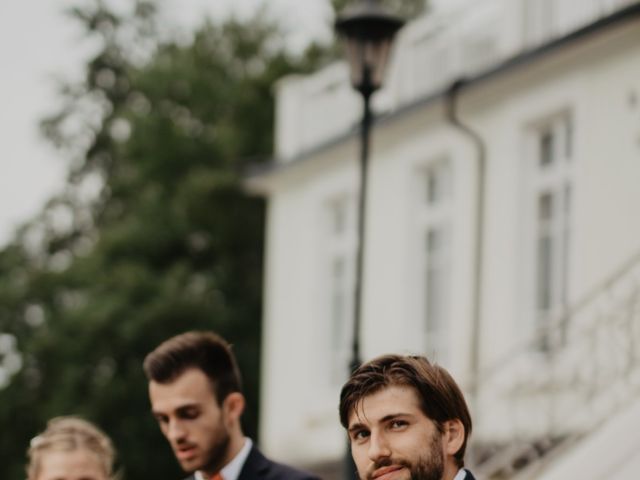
{"x": 38, "y": 43}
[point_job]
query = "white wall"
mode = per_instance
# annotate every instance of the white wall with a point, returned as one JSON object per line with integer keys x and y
{"x": 597, "y": 80}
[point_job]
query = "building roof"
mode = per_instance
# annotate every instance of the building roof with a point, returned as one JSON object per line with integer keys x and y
{"x": 258, "y": 176}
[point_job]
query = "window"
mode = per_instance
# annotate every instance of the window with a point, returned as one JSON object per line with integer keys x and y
{"x": 339, "y": 268}
{"x": 552, "y": 192}
{"x": 435, "y": 265}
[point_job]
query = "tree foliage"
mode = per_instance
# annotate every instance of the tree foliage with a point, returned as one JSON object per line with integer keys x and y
{"x": 153, "y": 234}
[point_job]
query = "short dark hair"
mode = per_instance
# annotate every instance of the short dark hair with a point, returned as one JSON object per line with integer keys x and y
{"x": 205, "y": 351}
{"x": 440, "y": 397}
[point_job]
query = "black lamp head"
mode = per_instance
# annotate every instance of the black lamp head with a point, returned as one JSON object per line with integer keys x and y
{"x": 368, "y": 30}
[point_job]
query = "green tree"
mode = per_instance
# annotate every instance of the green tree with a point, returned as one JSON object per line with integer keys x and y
{"x": 153, "y": 234}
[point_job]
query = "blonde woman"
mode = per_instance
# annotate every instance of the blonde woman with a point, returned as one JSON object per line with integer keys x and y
{"x": 71, "y": 449}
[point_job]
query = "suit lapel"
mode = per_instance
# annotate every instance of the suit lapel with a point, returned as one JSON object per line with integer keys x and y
{"x": 255, "y": 466}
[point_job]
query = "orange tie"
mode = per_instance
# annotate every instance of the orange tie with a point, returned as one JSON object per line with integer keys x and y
{"x": 217, "y": 476}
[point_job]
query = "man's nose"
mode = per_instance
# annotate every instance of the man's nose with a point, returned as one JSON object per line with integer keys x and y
{"x": 175, "y": 431}
{"x": 378, "y": 447}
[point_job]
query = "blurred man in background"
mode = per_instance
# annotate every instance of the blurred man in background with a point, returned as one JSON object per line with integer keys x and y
{"x": 196, "y": 396}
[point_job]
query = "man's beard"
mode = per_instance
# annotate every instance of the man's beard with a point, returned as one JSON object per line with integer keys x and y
{"x": 216, "y": 454}
{"x": 429, "y": 466}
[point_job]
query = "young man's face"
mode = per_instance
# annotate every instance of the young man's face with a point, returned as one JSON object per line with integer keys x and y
{"x": 191, "y": 419}
{"x": 392, "y": 439}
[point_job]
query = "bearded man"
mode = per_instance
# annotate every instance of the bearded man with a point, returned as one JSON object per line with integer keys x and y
{"x": 406, "y": 419}
{"x": 196, "y": 397}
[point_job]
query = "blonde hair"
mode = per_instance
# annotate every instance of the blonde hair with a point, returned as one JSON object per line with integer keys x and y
{"x": 68, "y": 434}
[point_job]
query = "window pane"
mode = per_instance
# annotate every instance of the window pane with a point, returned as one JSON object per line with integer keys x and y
{"x": 566, "y": 236}
{"x": 338, "y": 214}
{"x": 552, "y": 215}
{"x": 432, "y": 187}
{"x": 546, "y": 148}
{"x": 545, "y": 260}
{"x": 435, "y": 226}
{"x": 545, "y": 251}
{"x": 434, "y": 241}
{"x": 545, "y": 209}
{"x": 337, "y": 304}
{"x": 434, "y": 280}
{"x": 437, "y": 183}
{"x": 338, "y": 286}
{"x": 568, "y": 138}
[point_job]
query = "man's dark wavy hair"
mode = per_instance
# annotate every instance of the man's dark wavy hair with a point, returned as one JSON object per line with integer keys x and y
{"x": 205, "y": 351}
{"x": 440, "y": 397}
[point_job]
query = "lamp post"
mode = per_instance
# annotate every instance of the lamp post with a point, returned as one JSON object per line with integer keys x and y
{"x": 368, "y": 30}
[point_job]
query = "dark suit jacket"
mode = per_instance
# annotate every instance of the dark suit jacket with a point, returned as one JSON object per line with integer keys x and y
{"x": 259, "y": 467}
{"x": 469, "y": 475}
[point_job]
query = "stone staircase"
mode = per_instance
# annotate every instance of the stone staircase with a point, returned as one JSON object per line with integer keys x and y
{"x": 551, "y": 392}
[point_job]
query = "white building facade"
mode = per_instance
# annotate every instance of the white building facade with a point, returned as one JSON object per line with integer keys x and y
{"x": 502, "y": 234}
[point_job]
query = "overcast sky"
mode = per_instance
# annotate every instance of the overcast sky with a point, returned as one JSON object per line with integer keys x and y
{"x": 38, "y": 44}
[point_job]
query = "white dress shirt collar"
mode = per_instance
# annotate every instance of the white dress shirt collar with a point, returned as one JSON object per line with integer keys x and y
{"x": 461, "y": 475}
{"x": 231, "y": 471}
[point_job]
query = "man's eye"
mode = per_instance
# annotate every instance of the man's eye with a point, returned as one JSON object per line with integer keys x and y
{"x": 360, "y": 434}
{"x": 398, "y": 424}
{"x": 190, "y": 413}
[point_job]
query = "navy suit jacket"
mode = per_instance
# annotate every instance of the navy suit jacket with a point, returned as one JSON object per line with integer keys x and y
{"x": 469, "y": 475}
{"x": 259, "y": 467}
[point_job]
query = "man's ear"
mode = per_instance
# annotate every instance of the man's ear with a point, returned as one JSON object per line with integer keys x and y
{"x": 453, "y": 436}
{"x": 233, "y": 405}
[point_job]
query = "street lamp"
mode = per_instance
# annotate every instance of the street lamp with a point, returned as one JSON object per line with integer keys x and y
{"x": 368, "y": 30}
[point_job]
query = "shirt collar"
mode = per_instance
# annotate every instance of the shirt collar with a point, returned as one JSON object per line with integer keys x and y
{"x": 231, "y": 471}
{"x": 461, "y": 475}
